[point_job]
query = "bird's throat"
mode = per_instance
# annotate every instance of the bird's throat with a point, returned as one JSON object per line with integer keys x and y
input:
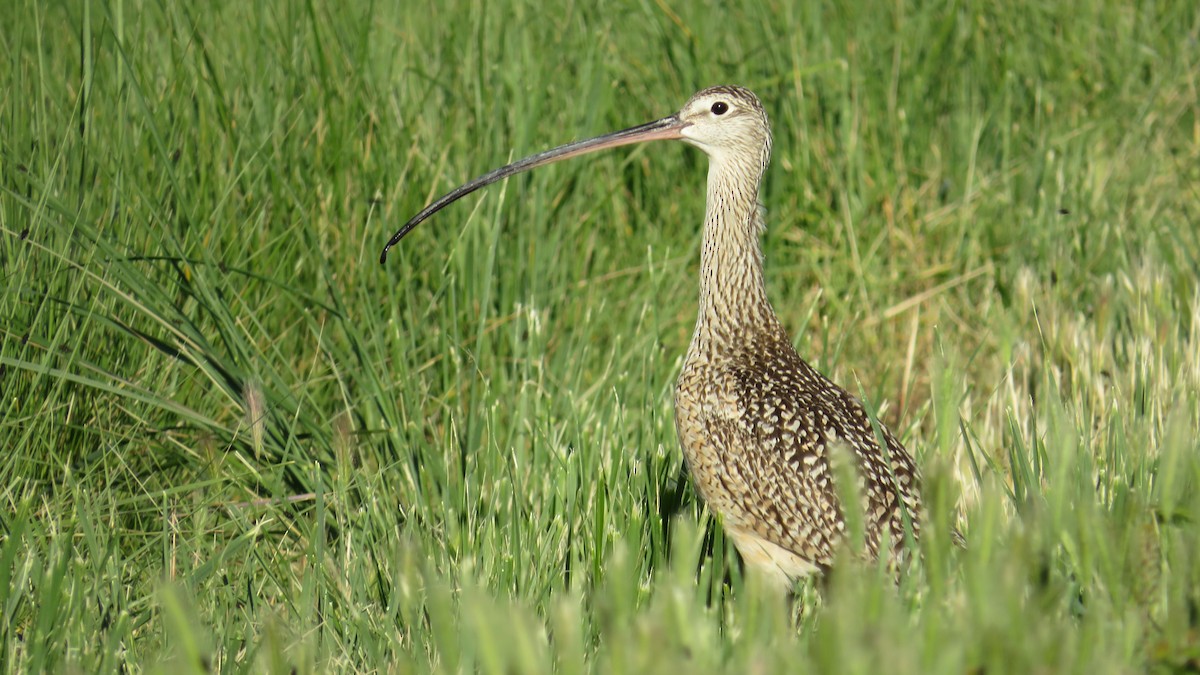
{"x": 732, "y": 290}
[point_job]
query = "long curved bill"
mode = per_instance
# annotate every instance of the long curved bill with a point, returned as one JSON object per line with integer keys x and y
{"x": 665, "y": 128}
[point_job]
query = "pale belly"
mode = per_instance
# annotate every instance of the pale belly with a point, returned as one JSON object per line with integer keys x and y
{"x": 712, "y": 474}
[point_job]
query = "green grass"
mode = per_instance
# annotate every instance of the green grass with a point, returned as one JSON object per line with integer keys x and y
{"x": 233, "y": 442}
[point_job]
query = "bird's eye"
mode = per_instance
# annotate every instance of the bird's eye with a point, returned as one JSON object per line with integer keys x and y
{"x": 720, "y": 108}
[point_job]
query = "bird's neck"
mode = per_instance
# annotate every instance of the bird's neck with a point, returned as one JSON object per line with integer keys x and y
{"x": 733, "y": 294}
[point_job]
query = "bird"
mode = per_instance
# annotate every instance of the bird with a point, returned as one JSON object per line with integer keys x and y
{"x": 763, "y": 433}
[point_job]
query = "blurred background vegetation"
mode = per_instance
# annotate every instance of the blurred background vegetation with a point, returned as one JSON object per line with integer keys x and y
{"x": 234, "y": 442}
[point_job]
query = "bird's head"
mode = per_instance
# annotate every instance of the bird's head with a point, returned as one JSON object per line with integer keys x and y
{"x": 725, "y": 122}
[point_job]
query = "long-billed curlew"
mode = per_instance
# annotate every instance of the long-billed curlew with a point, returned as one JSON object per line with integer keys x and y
{"x": 761, "y": 429}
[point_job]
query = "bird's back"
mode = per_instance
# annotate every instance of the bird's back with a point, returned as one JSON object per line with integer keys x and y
{"x": 761, "y": 430}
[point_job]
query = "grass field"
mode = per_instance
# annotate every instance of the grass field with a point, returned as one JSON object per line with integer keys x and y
{"x": 232, "y": 441}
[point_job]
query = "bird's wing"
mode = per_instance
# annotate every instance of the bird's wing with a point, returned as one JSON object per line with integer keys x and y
{"x": 778, "y": 477}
